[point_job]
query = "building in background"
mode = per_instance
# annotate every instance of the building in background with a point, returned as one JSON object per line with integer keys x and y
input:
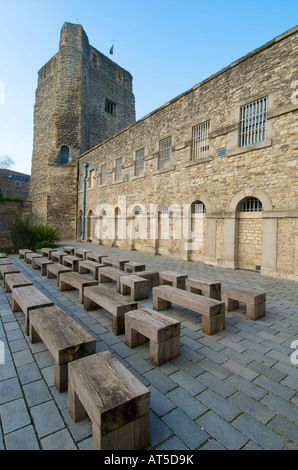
{"x": 14, "y": 185}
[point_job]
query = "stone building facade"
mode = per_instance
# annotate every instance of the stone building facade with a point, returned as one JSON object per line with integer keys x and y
{"x": 211, "y": 176}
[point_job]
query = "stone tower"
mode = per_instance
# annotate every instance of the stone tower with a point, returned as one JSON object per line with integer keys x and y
{"x": 82, "y": 99}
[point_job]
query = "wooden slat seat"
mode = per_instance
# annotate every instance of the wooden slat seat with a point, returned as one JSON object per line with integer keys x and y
{"x": 116, "y": 402}
{"x": 172, "y": 278}
{"x": 255, "y": 300}
{"x": 65, "y": 339}
{"x": 212, "y": 311}
{"x": 54, "y": 270}
{"x": 198, "y": 285}
{"x": 71, "y": 280}
{"x": 13, "y": 280}
{"x": 26, "y": 299}
{"x": 86, "y": 266}
{"x": 7, "y": 268}
{"x": 162, "y": 331}
{"x": 41, "y": 263}
{"x": 116, "y": 304}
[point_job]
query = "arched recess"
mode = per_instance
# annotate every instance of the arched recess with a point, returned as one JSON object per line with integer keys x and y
{"x": 79, "y": 224}
{"x": 163, "y": 230}
{"x": 89, "y": 231}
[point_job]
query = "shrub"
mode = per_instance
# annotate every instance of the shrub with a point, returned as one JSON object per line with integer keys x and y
{"x": 48, "y": 235}
{"x": 24, "y": 233}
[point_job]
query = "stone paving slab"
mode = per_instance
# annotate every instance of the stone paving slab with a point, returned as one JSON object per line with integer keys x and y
{"x": 233, "y": 390}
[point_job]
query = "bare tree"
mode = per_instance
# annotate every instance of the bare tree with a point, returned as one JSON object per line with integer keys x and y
{"x": 6, "y": 162}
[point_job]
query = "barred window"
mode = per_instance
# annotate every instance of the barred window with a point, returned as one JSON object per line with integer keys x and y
{"x": 251, "y": 205}
{"x": 200, "y": 141}
{"x": 103, "y": 174}
{"x": 198, "y": 208}
{"x": 64, "y": 155}
{"x": 118, "y": 169}
{"x": 110, "y": 107}
{"x": 253, "y": 118}
{"x": 140, "y": 162}
{"x": 164, "y": 152}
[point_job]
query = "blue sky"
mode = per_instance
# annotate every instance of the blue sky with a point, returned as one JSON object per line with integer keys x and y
{"x": 167, "y": 45}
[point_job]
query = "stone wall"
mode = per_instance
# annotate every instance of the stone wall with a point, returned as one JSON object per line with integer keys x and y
{"x": 225, "y": 177}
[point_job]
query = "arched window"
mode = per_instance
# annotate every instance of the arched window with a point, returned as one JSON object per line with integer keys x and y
{"x": 251, "y": 205}
{"x": 64, "y": 154}
{"x": 163, "y": 209}
{"x": 198, "y": 207}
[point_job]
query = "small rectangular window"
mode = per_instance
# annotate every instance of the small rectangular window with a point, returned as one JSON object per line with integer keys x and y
{"x": 110, "y": 107}
{"x": 91, "y": 179}
{"x": 164, "y": 152}
{"x": 253, "y": 117}
{"x": 118, "y": 169}
{"x": 140, "y": 162}
{"x": 200, "y": 141}
{"x": 103, "y": 174}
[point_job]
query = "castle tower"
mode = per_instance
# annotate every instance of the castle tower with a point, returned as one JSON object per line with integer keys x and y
{"x": 82, "y": 98}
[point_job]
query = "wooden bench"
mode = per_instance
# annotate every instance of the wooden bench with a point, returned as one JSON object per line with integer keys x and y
{"x": 92, "y": 256}
{"x": 133, "y": 267}
{"x": 55, "y": 269}
{"x": 90, "y": 266}
{"x": 13, "y": 280}
{"x": 162, "y": 331}
{"x": 151, "y": 276}
{"x": 255, "y": 300}
{"x": 81, "y": 253}
{"x": 212, "y": 311}
{"x": 47, "y": 252}
{"x": 4, "y": 261}
{"x": 29, "y": 257}
{"x": 199, "y": 286}
{"x": 41, "y": 263}
{"x": 118, "y": 263}
{"x": 65, "y": 339}
{"x": 116, "y": 304}
{"x": 57, "y": 256}
{"x": 109, "y": 274}
{"x": 72, "y": 261}
{"x": 71, "y": 280}
{"x": 26, "y": 299}
{"x": 135, "y": 286}
{"x": 23, "y": 252}
{"x": 3, "y": 255}
{"x": 172, "y": 278}
{"x": 7, "y": 268}
{"x": 117, "y": 403}
{"x": 69, "y": 249}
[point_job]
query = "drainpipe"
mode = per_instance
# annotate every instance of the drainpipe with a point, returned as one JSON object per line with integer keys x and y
{"x": 84, "y": 200}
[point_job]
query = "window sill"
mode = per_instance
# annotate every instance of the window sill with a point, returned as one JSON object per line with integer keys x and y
{"x": 198, "y": 162}
{"x": 118, "y": 182}
{"x": 137, "y": 177}
{"x": 249, "y": 148}
{"x": 164, "y": 170}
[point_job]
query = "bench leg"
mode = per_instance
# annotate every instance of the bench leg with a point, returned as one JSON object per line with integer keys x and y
{"x": 63, "y": 286}
{"x": 75, "y": 408}
{"x": 14, "y": 305}
{"x": 61, "y": 377}
{"x": 230, "y": 304}
{"x": 139, "y": 294}
{"x": 133, "y": 338}
{"x": 89, "y": 304}
{"x": 254, "y": 312}
{"x": 211, "y": 325}
{"x": 194, "y": 290}
{"x": 118, "y": 324}
{"x": 123, "y": 290}
{"x": 102, "y": 278}
{"x": 160, "y": 304}
{"x": 33, "y": 335}
{"x": 214, "y": 293}
{"x": 162, "y": 352}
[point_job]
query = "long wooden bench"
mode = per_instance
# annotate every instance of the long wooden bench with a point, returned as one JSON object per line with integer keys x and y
{"x": 13, "y": 280}
{"x": 86, "y": 266}
{"x": 41, "y": 263}
{"x": 199, "y": 286}
{"x": 212, "y": 311}
{"x": 116, "y": 304}
{"x": 162, "y": 331}
{"x": 135, "y": 286}
{"x": 65, "y": 339}
{"x": 23, "y": 252}
{"x": 55, "y": 269}
{"x": 151, "y": 276}
{"x": 116, "y": 262}
{"x": 71, "y": 261}
{"x": 255, "y": 300}
{"x": 71, "y": 280}
{"x": 172, "y": 278}
{"x": 116, "y": 402}
{"x": 26, "y": 299}
{"x": 7, "y": 268}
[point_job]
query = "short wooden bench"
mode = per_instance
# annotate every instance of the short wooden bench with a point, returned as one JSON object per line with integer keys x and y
{"x": 23, "y": 252}
{"x": 72, "y": 261}
{"x": 133, "y": 267}
{"x": 81, "y": 253}
{"x": 117, "y": 403}
{"x": 162, "y": 331}
{"x": 151, "y": 276}
{"x": 57, "y": 256}
{"x": 135, "y": 286}
{"x": 41, "y": 263}
{"x": 199, "y": 286}
{"x": 255, "y": 300}
{"x": 65, "y": 339}
{"x": 118, "y": 263}
{"x": 7, "y": 268}
{"x": 109, "y": 274}
{"x": 47, "y": 252}
{"x": 93, "y": 256}
{"x": 4, "y": 261}
{"x": 69, "y": 249}
{"x": 212, "y": 311}
{"x": 13, "y": 280}
{"x": 90, "y": 266}
{"x": 172, "y": 278}
{"x": 26, "y": 299}
{"x": 55, "y": 269}
{"x": 29, "y": 257}
{"x": 116, "y": 304}
{"x": 71, "y": 280}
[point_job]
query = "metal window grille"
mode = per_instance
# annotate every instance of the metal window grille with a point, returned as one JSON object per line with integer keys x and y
{"x": 200, "y": 141}
{"x": 163, "y": 209}
{"x": 110, "y": 107}
{"x": 118, "y": 169}
{"x": 251, "y": 205}
{"x": 199, "y": 208}
{"x": 64, "y": 154}
{"x": 103, "y": 174}
{"x": 253, "y": 118}
{"x": 164, "y": 152}
{"x": 140, "y": 161}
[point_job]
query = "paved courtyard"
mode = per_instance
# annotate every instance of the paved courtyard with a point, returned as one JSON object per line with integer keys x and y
{"x": 236, "y": 389}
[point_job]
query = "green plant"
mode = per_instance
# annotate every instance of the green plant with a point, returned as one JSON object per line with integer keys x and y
{"x": 48, "y": 235}
{"x": 24, "y": 233}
